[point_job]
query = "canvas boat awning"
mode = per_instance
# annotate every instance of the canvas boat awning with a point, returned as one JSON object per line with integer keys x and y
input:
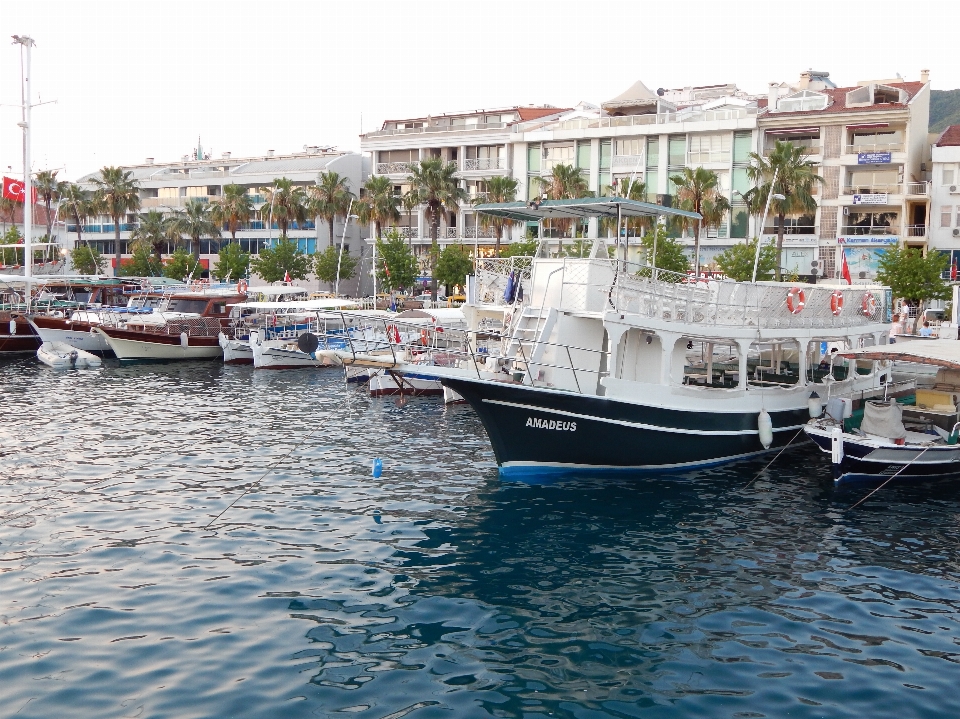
{"x": 580, "y": 208}
{"x": 942, "y": 353}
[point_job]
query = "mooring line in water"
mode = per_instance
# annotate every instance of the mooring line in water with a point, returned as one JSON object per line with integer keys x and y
{"x": 892, "y": 477}
{"x": 773, "y": 460}
{"x": 264, "y": 476}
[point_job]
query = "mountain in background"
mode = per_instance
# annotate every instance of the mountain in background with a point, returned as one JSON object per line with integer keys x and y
{"x": 944, "y": 109}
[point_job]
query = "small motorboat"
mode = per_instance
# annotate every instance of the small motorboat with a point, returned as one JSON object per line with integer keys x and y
{"x": 912, "y": 437}
{"x": 60, "y": 355}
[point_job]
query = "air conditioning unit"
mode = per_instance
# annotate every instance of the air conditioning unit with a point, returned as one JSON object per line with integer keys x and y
{"x": 956, "y": 232}
{"x": 953, "y": 190}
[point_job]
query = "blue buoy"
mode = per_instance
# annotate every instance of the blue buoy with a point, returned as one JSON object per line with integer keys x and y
{"x": 377, "y": 467}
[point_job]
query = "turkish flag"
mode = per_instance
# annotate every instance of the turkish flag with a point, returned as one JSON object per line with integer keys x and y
{"x": 13, "y": 190}
{"x": 845, "y": 268}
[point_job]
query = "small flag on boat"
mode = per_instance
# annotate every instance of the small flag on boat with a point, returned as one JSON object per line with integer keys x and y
{"x": 845, "y": 268}
{"x": 286, "y": 276}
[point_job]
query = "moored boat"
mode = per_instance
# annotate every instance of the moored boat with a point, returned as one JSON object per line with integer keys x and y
{"x": 61, "y": 355}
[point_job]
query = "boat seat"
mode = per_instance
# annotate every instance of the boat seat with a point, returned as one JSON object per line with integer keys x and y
{"x": 935, "y": 399}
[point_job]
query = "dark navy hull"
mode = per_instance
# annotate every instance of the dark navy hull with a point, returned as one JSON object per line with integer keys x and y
{"x": 867, "y": 464}
{"x": 534, "y": 430}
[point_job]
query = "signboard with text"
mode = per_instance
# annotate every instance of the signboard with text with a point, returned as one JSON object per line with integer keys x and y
{"x": 868, "y": 240}
{"x": 879, "y": 198}
{"x": 873, "y": 158}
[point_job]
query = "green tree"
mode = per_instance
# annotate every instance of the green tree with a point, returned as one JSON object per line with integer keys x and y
{"x": 329, "y": 199}
{"x": 48, "y": 188}
{"x": 325, "y": 267}
{"x": 142, "y": 263}
{"x": 438, "y": 188}
{"x": 396, "y": 266}
{"x": 285, "y": 204}
{"x": 523, "y": 248}
{"x": 565, "y": 182}
{"x": 670, "y": 255}
{"x": 453, "y": 267}
{"x": 232, "y": 262}
{"x": 196, "y": 221}
{"x": 151, "y": 233}
{"x": 8, "y": 210}
{"x": 737, "y": 262}
{"x": 179, "y": 266}
{"x": 913, "y": 277}
{"x": 283, "y": 258}
{"x": 698, "y": 190}
{"x": 88, "y": 261}
{"x": 409, "y": 201}
{"x": 499, "y": 188}
{"x": 117, "y": 194}
{"x": 379, "y": 205}
{"x": 75, "y": 203}
{"x": 232, "y": 209}
{"x": 795, "y": 180}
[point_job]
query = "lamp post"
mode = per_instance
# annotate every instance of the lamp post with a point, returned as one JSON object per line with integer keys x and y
{"x": 346, "y": 221}
{"x": 770, "y": 196}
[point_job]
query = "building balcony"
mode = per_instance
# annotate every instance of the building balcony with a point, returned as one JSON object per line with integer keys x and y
{"x": 917, "y": 232}
{"x": 870, "y": 230}
{"x": 438, "y": 128}
{"x": 790, "y": 230}
{"x": 169, "y": 203}
{"x": 877, "y": 147}
{"x": 809, "y": 147}
{"x": 917, "y": 189}
{"x": 664, "y": 118}
{"x": 480, "y": 164}
{"x": 396, "y": 168}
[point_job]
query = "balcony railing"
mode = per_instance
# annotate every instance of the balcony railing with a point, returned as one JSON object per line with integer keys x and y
{"x": 439, "y": 128}
{"x": 916, "y": 230}
{"x": 810, "y": 147}
{"x": 877, "y": 147}
{"x": 917, "y": 188}
{"x": 395, "y": 168}
{"x": 871, "y": 190}
{"x": 662, "y": 118}
{"x": 173, "y": 203}
{"x": 484, "y": 163}
{"x": 792, "y": 230}
{"x": 870, "y": 230}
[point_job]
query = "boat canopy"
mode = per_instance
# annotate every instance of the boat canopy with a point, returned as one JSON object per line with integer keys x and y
{"x": 942, "y": 353}
{"x": 308, "y": 305}
{"x": 276, "y": 290}
{"x": 580, "y": 208}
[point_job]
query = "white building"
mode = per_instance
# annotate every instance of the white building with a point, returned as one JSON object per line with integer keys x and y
{"x": 945, "y": 194}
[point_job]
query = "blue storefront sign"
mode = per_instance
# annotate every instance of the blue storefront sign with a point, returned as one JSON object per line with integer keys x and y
{"x": 873, "y": 158}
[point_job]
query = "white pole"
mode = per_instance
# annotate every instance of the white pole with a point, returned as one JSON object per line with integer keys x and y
{"x": 346, "y": 221}
{"x": 763, "y": 222}
{"x": 26, "y": 43}
{"x": 374, "y": 271}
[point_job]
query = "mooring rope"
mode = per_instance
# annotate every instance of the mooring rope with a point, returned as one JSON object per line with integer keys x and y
{"x": 892, "y": 477}
{"x": 773, "y": 460}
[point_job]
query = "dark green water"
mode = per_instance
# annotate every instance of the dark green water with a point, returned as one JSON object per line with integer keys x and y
{"x": 138, "y": 579}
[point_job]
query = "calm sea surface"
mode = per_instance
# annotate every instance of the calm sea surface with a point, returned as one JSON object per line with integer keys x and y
{"x": 193, "y": 540}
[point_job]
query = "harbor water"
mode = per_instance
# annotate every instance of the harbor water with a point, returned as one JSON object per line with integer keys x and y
{"x": 194, "y": 540}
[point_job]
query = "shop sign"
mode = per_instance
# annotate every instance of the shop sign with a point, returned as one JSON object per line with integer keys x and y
{"x": 873, "y": 158}
{"x": 790, "y": 240}
{"x": 879, "y": 198}
{"x": 868, "y": 240}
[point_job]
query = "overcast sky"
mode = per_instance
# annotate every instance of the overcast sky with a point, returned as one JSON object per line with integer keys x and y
{"x": 143, "y": 79}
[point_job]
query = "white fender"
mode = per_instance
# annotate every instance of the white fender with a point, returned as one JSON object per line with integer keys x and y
{"x": 13, "y": 327}
{"x": 836, "y": 445}
{"x": 184, "y": 341}
{"x": 765, "y": 427}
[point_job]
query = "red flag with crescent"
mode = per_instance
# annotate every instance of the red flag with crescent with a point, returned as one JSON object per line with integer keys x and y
{"x": 845, "y": 268}
{"x": 13, "y": 190}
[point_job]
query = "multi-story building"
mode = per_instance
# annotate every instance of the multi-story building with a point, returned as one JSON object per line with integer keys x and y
{"x": 169, "y": 186}
{"x": 869, "y": 143}
{"x": 945, "y": 194}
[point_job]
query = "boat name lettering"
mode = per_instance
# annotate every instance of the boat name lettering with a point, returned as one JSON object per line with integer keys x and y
{"x": 551, "y": 424}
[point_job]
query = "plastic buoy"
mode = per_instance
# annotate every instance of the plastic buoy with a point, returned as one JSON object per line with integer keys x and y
{"x": 815, "y": 405}
{"x": 765, "y": 426}
{"x": 377, "y": 467}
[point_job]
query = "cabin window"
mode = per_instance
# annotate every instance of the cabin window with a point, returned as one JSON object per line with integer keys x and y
{"x": 822, "y": 359}
{"x": 709, "y": 363}
{"x": 183, "y": 305}
{"x": 773, "y": 364}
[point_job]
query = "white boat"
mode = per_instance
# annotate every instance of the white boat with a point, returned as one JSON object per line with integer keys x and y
{"x": 286, "y": 353}
{"x": 272, "y": 331}
{"x": 60, "y": 355}
{"x": 385, "y": 383}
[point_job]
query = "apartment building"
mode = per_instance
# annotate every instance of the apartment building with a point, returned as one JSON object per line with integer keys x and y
{"x": 869, "y": 143}
{"x": 945, "y": 194}
{"x": 169, "y": 186}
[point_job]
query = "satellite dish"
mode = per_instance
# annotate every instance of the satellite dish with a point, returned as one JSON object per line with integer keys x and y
{"x": 661, "y": 92}
{"x": 308, "y": 342}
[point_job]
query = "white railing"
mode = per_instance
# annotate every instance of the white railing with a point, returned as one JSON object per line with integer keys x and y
{"x": 172, "y": 203}
{"x": 209, "y": 173}
{"x": 395, "y": 168}
{"x": 877, "y": 147}
{"x": 662, "y": 118}
{"x": 484, "y": 163}
{"x": 870, "y": 229}
{"x": 871, "y": 190}
{"x": 492, "y": 274}
{"x": 916, "y": 230}
{"x": 438, "y": 128}
{"x": 917, "y": 188}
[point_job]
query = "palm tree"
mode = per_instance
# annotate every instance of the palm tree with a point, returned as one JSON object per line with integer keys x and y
{"x": 409, "y": 201}
{"x": 117, "y": 194}
{"x": 75, "y": 203}
{"x": 381, "y": 202}
{"x": 438, "y": 188}
{"x": 233, "y": 208}
{"x": 795, "y": 180}
{"x": 698, "y": 190}
{"x": 330, "y": 198}
{"x": 633, "y": 190}
{"x": 287, "y": 204}
{"x": 49, "y": 189}
{"x": 498, "y": 189}
{"x": 8, "y": 211}
{"x": 565, "y": 182}
{"x": 152, "y": 232}
{"x": 196, "y": 221}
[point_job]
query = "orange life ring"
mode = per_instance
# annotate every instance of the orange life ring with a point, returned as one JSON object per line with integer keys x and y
{"x": 836, "y": 302}
{"x": 796, "y": 299}
{"x": 424, "y": 338}
{"x": 869, "y": 305}
{"x": 242, "y": 287}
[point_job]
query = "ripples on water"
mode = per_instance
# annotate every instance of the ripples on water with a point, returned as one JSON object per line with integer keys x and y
{"x": 436, "y": 590}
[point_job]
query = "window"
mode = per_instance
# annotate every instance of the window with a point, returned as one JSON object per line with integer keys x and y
{"x": 398, "y": 156}
{"x": 708, "y": 148}
{"x": 742, "y": 142}
{"x": 948, "y": 174}
{"x": 653, "y": 153}
{"x": 945, "y": 212}
{"x": 605, "y": 147}
{"x": 862, "y": 182}
{"x": 802, "y": 101}
{"x": 773, "y": 363}
{"x": 739, "y": 222}
{"x": 533, "y": 158}
{"x": 877, "y": 141}
{"x": 168, "y": 192}
{"x": 677, "y": 151}
{"x": 196, "y": 192}
{"x": 629, "y": 147}
{"x": 554, "y": 155}
{"x": 583, "y": 155}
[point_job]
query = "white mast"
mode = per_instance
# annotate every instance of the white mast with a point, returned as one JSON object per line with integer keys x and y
{"x": 26, "y": 44}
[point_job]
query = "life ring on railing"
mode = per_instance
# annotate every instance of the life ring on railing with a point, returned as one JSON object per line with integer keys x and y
{"x": 796, "y": 299}
{"x": 869, "y": 305}
{"x": 836, "y": 302}
{"x": 242, "y": 287}
{"x": 424, "y": 338}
